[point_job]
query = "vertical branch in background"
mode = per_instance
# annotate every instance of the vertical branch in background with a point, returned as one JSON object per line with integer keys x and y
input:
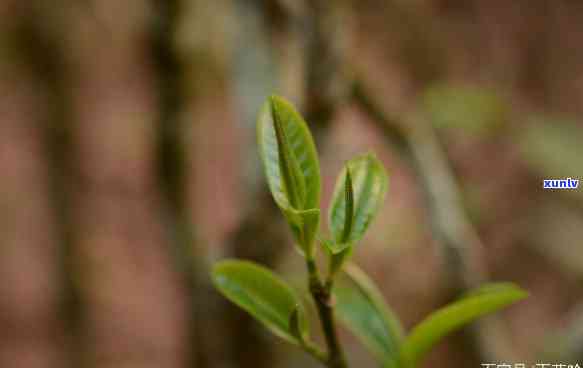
{"x": 172, "y": 165}
{"x": 326, "y": 79}
{"x": 461, "y": 246}
{"x": 46, "y": 56}
{"x": 455, "y": 235}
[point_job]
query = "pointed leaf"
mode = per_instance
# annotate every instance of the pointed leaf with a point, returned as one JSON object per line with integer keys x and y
{"x": 361, "y": 307}
{"x": 366, "y": 184}
{"x": 289, "y": 156}
{"x": 486, "y": 299}
{"x": 261, "y": 293}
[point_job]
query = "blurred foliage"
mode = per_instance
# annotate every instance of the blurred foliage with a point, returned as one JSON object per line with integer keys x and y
{"x": 553, "y": 147}
{"x": 476, "y": 110}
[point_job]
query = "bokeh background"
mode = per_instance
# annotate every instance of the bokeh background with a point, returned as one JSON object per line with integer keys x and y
{"x": 128, "y": 165}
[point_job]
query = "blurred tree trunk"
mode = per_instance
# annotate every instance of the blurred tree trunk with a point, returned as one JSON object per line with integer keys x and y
{"x": 175, "y": 173}
{"x": 240, "y": 341}
{"x": 38, "y": 51}
{"x": 133, "y": 298}
{"x": 30, "y": 332}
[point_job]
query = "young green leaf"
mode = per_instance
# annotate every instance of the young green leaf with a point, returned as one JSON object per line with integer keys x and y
{"x": 486, "y": 299}
{"x": 262, "y": 294}
{"x": 289, "y": 156}
{"x": 360, "y": 191}
{"x": 293, "y": 182}
{"x": 291, "y": 165}
{"x": 361, "y": 307}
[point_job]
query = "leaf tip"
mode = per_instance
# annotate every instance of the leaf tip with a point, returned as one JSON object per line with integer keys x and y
{"x": 217, "y": 271}
{"x": 514, "y": 291}
{"x": 276, "y": 101}
{"x": 520, "y": 293}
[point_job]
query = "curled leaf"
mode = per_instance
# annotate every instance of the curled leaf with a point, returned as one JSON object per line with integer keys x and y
{"x": 290, "y": 162}
{"x": 289, "y": 156}
{"x": 360, "y": 191}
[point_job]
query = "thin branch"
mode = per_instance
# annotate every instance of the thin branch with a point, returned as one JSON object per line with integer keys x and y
{"x": 325, "y": 89}
{"x": 323, "y": 298}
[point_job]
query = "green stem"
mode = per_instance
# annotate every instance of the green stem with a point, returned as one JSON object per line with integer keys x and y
{"x": 316, "y": 352}
{"x": 322, "y": 297}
